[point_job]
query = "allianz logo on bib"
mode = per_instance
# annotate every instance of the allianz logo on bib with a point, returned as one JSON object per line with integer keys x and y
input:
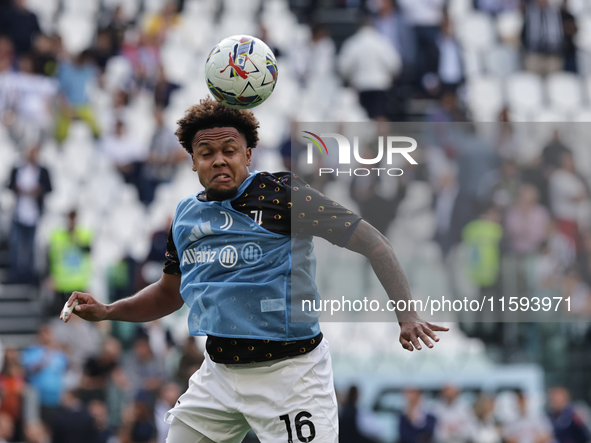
{"x": 251, "y": 253}
{"x": 199, "y": 255}
{"x": 228, "y": 256}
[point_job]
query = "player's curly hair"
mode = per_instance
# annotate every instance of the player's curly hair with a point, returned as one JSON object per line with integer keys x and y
{"x": 212, "y": 114}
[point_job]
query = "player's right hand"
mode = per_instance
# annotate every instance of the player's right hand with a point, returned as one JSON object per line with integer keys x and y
{"x": 88, "y": 307}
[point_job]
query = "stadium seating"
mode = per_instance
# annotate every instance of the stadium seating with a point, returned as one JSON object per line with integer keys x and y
{"x": 485, "y": 97}
{"x": 524, "y": 92}
{"x": 45, "y": 10}
{"x": 77, "y": 31}
{"x": 508, "y": 27}
{"x": 501, "y": 60}
{"x": 87, "y": 8}
{"x": 475, "y": 31}
{"x": 564, "y": 92}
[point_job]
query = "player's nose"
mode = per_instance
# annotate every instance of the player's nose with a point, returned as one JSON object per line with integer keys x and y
{"x": 219, "y": 160}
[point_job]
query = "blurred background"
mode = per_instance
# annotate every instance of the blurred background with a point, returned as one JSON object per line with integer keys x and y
{"x": 91, "y": 174}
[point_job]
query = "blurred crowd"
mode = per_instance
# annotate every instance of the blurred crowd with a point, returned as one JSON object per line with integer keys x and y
{"x": 63, "y": 390}
{"x": 58, "y": 391}
{"x": 450, "y": 415}
{"x": 43, "y": 88}
{"x": 99, "y": 389}
{"x": 497, "y": 224}
{"x": 523, "y": 225}
{"x": 401, "y": 51}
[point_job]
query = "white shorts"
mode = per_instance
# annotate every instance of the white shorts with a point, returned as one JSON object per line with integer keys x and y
{"x": 288, "y": 400}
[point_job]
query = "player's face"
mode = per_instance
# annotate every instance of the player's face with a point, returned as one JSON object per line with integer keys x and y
{"x": 221, "y": 158}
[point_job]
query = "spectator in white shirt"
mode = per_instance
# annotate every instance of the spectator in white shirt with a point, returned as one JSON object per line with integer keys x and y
{"x": 528, "y": 427}
{"x": 455, "y": 418}
{"x": 486, "y": 428}
{"x": 321, "y": 56}
{"x": 370, "y": 63}
{"x": 126, "y": 153}
{"x": 118, "y": 111}
{"x": 567, "y": 192}
{"x": 165, "y": 155}
{"x": 31, "y": 97}
{"x": 579, "y": 295}
{"x": 527, "y": 222}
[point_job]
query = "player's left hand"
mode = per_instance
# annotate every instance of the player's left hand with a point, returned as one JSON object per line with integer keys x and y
{"x": 412, "y": 331}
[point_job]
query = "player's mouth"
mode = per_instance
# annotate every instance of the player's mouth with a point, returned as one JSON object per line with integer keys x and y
{"x": 221, "y": 178}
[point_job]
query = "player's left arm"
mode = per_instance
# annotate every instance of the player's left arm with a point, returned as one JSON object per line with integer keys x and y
{"x": 368, "y": 241}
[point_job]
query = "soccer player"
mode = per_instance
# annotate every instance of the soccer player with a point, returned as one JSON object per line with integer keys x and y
{"x": 234, "y": 257}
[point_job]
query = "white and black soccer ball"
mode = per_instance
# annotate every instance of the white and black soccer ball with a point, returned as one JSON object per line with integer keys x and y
{"x": 241, "y": 71}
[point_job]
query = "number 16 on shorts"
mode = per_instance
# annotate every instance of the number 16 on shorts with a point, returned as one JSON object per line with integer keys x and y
{"x": 304, "y": 427}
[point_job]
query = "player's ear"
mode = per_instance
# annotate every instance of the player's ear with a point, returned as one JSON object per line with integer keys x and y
{"x": 248, "y": 156}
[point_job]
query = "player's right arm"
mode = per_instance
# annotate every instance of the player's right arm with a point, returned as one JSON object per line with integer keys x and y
{"x": 153, "y": 302}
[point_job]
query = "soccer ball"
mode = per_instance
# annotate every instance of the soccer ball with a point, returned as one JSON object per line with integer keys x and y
{"x": 241, "y": 71}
